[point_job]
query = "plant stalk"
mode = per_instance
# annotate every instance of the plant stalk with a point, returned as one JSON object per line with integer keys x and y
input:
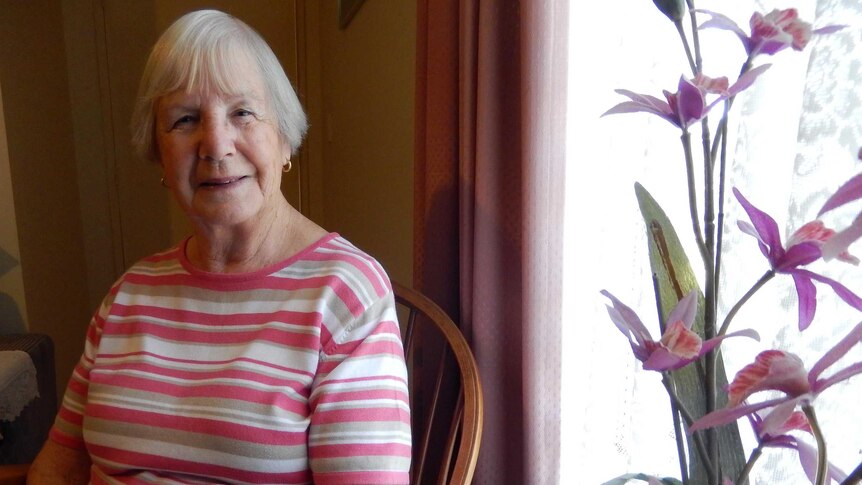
{"x": 749, "y": 465}
{"x": 692, "y": 196}
{"x": 855, "y": 476}
{"x": 748, "y": 294}
{"x": 700, "y": 446}
{"x": 822, "y": 464}
{"x": 677, "y": 430}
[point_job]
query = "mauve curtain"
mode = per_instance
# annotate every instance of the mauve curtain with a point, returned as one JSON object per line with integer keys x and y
{"x": 490, "y": 153}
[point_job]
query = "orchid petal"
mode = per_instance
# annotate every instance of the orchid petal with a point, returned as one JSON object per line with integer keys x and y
{"x": 635, "y": 107}
{"x": 691, "y": 105}
{"x": 848, "y": 192}
{"x": 796, "y": 421}
{"x": 723, "y": 22}
{"x": 713, "y": 342}
{"x": 836, "y": 352}
{"x": 765, "y": 226}
{"x": 662, "y": 359}
{"x": 774, "y": 422}
{"x": 771, "y": 370}
{"x": 681, "y": 341}
{"x": 729, "y": 415}
{"x": 747, "y": 79}
{"x": 797, "y": 255}
{"x": 808, "y": 460}
{"x": 842, "y": 291}
{"x": 626, "y": 319}
{"x": 842, "y": 375}
{"x": 685, "y": 310}
{"x": 829, "y": 29}
{"x": 838, "y": 243}
{"x": 623, "y": 326}
{"x": 747, "y": 228}
{"x": 806, "y": 294}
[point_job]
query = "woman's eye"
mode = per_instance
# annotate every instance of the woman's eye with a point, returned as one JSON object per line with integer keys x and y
{"x": 183, "y": 121}
{"x": 243, "y": 113}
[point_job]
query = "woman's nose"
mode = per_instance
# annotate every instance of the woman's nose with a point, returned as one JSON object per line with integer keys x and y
{"x": 217, "y": 140}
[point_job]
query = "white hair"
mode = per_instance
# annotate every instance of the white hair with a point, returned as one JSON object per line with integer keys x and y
{"x": 202, "y": 50}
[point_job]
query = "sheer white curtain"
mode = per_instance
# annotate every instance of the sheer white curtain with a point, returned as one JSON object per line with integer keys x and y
{"x": 793, "y": 138}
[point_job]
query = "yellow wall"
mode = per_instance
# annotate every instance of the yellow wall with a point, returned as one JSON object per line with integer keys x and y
{"x": 13, "y": 305}
{"x": 43, "y": 174}
{"x": 367, "y": 89}
{"x": 63, "y": 129}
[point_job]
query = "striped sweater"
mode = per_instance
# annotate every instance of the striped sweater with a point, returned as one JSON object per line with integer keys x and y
{"x": 291, "y": 374}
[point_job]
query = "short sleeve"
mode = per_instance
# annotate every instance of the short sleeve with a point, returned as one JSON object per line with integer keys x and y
{"x": 360, "y": 415}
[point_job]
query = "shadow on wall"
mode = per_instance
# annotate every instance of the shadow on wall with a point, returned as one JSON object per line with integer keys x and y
{"x": 10, "y": 315}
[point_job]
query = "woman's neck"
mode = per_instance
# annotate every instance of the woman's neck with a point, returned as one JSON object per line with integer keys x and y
{"x": 246, "y": 247}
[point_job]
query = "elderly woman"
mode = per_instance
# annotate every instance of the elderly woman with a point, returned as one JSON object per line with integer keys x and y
{"x": 261, "y": 349}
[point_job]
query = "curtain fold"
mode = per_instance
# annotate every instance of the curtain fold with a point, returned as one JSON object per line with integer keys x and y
{"x": 489, "y": 177}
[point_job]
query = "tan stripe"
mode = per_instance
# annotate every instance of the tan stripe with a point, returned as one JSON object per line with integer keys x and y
{"x": 117, "y": 434}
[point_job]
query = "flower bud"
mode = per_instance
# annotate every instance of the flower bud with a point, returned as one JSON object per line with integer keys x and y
{"x": 673, "y": 9}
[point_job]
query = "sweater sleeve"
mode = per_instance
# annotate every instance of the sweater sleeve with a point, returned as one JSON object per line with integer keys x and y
{"x": 67, "y": 429}
{"x": 360, "y": 415}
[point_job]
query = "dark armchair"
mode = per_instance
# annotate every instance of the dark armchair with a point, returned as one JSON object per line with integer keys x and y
{"x": 23, "y": 438}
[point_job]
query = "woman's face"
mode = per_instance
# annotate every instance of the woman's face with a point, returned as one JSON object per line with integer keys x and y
{"x": 221, "y": 153}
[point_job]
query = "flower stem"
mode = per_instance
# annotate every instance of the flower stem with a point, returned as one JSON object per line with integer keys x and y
{"x": 681, "y": 31}
{"x": 751, "y": 291}
{"x": 692, "y": 196}
{"x": 677, "y": 430}
{"x": 749, "y": 465}
{"x": 698, "y": 62}
{"x": 822, "y": 464}
{"x": 679, "y": 407}
{"x": 855, "y": 476}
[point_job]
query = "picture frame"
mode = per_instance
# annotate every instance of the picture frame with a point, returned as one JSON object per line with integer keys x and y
{"x": 346, "y": 10}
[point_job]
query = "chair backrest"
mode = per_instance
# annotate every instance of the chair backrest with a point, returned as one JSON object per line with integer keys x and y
{"x": 445, "y": 393}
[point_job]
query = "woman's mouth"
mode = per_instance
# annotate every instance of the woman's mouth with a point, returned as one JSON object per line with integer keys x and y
{"x": 223, "y": 182}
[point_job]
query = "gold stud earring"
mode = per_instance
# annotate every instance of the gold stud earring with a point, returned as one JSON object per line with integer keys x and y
{"x": 287, "y": 166}
{"x": 164, "y": 184}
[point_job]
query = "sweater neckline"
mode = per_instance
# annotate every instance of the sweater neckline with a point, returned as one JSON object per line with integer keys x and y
{"x": 265, "y": 271}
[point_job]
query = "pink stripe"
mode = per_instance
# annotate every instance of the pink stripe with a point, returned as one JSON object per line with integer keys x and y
{"x": 186, "y": 374}
{"x": 167, "y": 463}
{"x": 353, "y": 260}
{"x": 70, "y": 416}
{"x": 63, "y": 439}
{"x": 212, "y": 362}
{"x": 364, "y": 379}
{"x": 394, "y": 415}
{"x": 352, "y": 478}
{"x": 266, "y": 283}
{"x": 358, "y": 449}
{"x": 281, "y": 337}
{"x": 205, "y": 426}
{"x": 362, "y": 395}
{"x": 309, "y": 319}
{"x": 224, "y": 391}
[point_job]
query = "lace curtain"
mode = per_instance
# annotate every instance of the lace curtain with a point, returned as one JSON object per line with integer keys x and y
{"x": 793, "y": 138}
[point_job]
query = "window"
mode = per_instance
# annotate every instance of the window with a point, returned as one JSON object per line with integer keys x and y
{"x": 792, "y": 139}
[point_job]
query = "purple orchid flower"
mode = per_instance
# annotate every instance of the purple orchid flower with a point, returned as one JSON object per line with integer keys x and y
{"x": 688, "y": 105}
{"x": 775, "y": 370}
{"x": 804, "y": 247}
{"x": 849, "y": 192}
{"x": 772, "y": 431}
{"x": 678, "y": 347}
{"x": 770, "y": 33}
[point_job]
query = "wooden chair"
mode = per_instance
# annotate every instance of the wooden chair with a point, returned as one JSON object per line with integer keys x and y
{"x": 447, "y": 424}
{"x": 445, "y": 393}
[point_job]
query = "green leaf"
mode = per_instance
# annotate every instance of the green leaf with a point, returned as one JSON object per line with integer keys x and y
{"x": 675, "y": 279}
